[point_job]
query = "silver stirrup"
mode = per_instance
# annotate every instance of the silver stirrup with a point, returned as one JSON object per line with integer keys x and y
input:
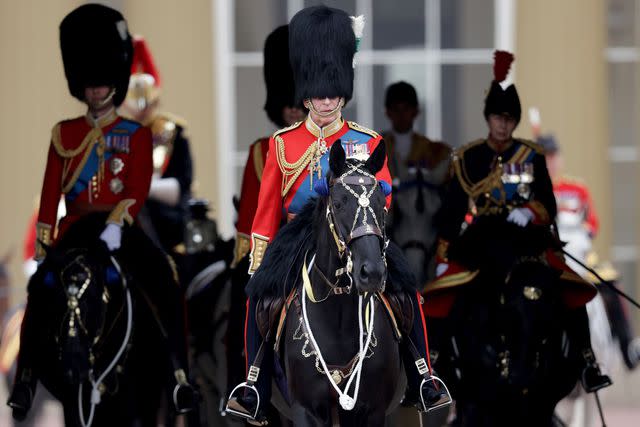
{"x": 242, "y": 414}
{"x": 444, "y": 401}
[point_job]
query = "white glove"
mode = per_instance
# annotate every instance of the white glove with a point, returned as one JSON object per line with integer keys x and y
{"x": 112, "y": 236}
{"x": 165, "y": 190}
{"x": 521, "y": 216}
{"x": 441, "y": 269}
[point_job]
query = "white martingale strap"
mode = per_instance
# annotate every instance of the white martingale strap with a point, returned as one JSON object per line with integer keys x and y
{"x": 346, "y": 402}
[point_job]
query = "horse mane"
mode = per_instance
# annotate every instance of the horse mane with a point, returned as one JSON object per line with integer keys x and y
{"x": 280, "y": 269}
{"x": 283, "y": 259}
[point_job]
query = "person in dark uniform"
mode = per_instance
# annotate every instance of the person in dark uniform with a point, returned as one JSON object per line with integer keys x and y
{"x": 502, "y": 177}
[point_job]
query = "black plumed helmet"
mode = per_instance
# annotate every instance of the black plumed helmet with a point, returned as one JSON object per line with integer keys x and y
{"x": 322, "y": 46}
{"x": 96, "y": 50}
{"x": 499, "y": 100}
{"x": 278, "y": 75}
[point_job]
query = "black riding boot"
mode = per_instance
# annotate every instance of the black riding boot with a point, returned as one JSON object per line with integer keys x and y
{"x": 26, "y": 379}
{"x": 592, "y": 379}
{"x": 250, "y": 399}
{"x": 424, "y": 390}
{"x": 157, "y": 279}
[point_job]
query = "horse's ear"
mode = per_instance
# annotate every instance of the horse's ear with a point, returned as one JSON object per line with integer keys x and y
{"x": 376, "y": 159}
{"x": 337, "y": 158}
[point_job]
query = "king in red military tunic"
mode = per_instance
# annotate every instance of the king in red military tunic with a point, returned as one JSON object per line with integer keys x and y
{"x": 298, "y": 155}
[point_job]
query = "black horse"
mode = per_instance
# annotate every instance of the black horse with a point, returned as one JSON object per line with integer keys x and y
{"x": 505, "y": 347}
{"x": 331, "y": 259}
{"x": 98, "y": 346}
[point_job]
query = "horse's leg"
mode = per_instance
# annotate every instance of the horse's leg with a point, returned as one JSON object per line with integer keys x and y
{"x": 303, "y": 418}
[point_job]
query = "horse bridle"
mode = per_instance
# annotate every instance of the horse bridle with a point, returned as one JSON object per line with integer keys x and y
{"x": 347, "y": 180}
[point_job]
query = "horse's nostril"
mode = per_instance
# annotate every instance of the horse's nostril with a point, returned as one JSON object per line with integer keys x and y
{"x": 364, "y": 271}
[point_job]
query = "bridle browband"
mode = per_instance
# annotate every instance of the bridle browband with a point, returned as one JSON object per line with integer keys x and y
{"x": 349, "y": 180}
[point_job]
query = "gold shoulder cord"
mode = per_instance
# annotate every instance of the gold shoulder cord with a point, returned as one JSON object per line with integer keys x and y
{"x": 484, "y": 186}
{"x": 292, "y": 171}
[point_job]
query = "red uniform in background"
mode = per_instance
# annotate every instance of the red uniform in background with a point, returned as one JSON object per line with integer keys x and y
{"x": 573, "y": 197}
{"x": 251, "y": 180}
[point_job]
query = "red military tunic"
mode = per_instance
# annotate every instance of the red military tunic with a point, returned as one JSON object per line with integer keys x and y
{"x": 99, "y": 165}
{"x": 573, "y": 197}
{"x": 249, "y": 197}
{"x": 286, "y": 182}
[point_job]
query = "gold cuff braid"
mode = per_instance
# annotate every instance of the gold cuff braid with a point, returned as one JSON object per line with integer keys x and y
{"x": 43, "y": 237}
{"x": 258, "y": 247}
{"x": 120, "y": 213}
{"x": 241, "y": 248}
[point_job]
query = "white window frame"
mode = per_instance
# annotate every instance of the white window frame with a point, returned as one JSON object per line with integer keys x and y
{"x": 226, "y": 60}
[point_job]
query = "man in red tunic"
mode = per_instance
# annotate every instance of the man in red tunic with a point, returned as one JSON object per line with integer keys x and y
{"x": 100, "y": 162}
{"x": 322, "y": 45}
{"x": 282, "y": 111}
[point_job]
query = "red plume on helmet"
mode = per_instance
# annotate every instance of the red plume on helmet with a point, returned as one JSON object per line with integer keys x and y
{"x": 499, "y": 100}
{"x": 501, "y": 64}
{"x": 143, "y": 60}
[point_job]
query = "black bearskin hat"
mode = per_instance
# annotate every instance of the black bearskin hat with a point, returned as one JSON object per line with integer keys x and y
{"x": 278, "y": 75}
{"x": 322, "y": 46}
{"x": 498, "y": 100}
{"x": 96, "y": 50}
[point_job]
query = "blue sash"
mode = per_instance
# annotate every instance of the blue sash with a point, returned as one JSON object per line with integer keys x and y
{"x": 353, "y": 142}
{"x": 117, "y": 140}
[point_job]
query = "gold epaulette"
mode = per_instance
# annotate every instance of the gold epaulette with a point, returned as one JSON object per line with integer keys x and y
{"x": 258, "y": 158}
{"x": 535, "y": 146}
{"x": 357, "y": 127}
{"x": 287, "y": 129}
{"x": 459, "y": 152}
{"x": 56, "y": 141}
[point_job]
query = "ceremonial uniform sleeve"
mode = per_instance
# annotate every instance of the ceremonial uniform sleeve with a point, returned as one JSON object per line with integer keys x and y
{"x": 543, "y": 204}
{"x": 138, "y": 179}
{"x": 49, "y": 200}
{"x": 269, "y": 211}
{"x": 383, "y": 174}
{"x": 248, "y": 204}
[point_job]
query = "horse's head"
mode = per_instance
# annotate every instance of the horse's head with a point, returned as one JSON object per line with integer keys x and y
{"x": 356, "y": 215}
{"x": 80, "y": 282}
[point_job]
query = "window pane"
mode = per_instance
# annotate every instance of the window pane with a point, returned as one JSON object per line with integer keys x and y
{"x": 254, "y": 20}
{"x": 251, "y": 120}
{"x": 621, "y": 19}
{"x": 466, "y": 24}
{"x": 385, "y": 75}
{"x": 623, "y": 107}
{"x": 397, "y": 27}
{"x": 463, "y": 92}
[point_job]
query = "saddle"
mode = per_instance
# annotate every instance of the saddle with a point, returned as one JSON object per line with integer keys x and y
{"x": 271, "y": 314}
